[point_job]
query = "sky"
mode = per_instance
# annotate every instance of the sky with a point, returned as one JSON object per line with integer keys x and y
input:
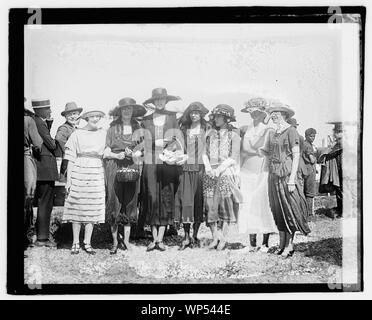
{"x": 310, "y": 67}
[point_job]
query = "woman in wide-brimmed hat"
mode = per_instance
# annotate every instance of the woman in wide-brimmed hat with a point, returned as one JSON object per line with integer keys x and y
{"x": 221, "y": 182}
{"x": 287, "y": 200}
{"x": 122, "y": 196}
{"x": 85, "y": 186}
{"x": 189, "y": 197}
{"x": 159, "y": 180}
{"x": 255, "y": 216}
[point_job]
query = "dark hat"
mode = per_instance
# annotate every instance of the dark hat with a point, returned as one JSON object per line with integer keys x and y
{"x": 279, "y": 106}
{"x": 114, "y": 112}
{"x": 292, "y": 122}
{"x": 254, "y": 104}
{"x": 337, "y": 125}
{"x": 40, "y": 103}
{"x": 310, "y": 131}
{"x": 224, "y": 110}
{"x": 70, "y": 107}
{"x": 194, "y": 106}
{"x": 161, "y": 93}
{"x": 138, "y": 110}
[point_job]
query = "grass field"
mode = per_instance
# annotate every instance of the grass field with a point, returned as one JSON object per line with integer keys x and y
{"x": 318, "y": 256}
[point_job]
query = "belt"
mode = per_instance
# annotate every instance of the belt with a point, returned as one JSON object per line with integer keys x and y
{"x": 89, "y": 155}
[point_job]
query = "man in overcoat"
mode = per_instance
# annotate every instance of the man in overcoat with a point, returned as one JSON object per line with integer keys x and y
{"x": 47, "y": 172}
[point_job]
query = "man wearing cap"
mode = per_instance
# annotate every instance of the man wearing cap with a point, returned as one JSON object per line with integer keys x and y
{"x": 32, "y": 145}
{"x": 309, "y": 158}
{"x": 47, "y": 172}
{"x": 71, "y": 113}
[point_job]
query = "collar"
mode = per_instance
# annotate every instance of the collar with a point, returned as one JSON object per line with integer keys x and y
{"x": 283, "y": 126}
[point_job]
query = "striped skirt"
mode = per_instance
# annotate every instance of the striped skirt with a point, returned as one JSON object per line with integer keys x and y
{"x": 85, "y": 202}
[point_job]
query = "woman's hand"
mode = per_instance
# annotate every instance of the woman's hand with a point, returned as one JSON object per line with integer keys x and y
{"x": 137, "y": 154}
{"x": 68, "y": 186}
{"x": 159, "y": 143}
{"x": 216, "y": 172}
{"x": 120, "y": 156}
{"x": 291, "y": 186}
{"x": 128, "y": 152}
{"x": 209, "y": 172}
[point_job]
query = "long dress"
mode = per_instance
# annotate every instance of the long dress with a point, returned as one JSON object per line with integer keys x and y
{"x": 85, "y": 202}
{"x": 122, "y": 197}
{"x": 159, "y": 181}
{"x": 189, "y": 197}
{"x": 222, "y": 194}
{"x": 255, "y": 213}
{"x": 289, "y": 209}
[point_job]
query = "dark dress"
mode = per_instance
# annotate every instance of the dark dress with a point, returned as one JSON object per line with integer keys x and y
{"x": 159, "y": 181}
{"x": 189, "y": 197}
{"x": 289, "y": 209}
{"x": 122, "y": 197}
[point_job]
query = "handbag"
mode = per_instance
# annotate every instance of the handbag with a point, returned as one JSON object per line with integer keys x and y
{"x": 127, "y": 174}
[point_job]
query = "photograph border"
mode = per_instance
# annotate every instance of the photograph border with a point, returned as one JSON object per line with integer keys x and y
{"x": 19, "y": 17}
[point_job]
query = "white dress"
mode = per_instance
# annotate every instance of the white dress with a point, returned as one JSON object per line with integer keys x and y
{"x": 86, "y": 200}
{"x": 255, "y": 213}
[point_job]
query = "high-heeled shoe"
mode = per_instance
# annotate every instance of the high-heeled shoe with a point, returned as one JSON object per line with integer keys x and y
{"x": 184, "y": 245}
{"x": 88, "y": 249}
{"x": 160, "y": 246}
{"x": 221, "y": 246}
{"x": 114, "y": 249}
{"x": 213, "y": 245}
{"x": 151, "y": 247}
{"x": 287, "y": 253}
{"x": 278, "y": 251}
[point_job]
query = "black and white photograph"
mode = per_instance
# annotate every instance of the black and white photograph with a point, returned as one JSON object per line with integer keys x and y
{"x": 193, "y": 152}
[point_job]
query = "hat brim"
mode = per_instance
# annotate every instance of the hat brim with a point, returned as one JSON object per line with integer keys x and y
{"x": 93, "y": 113}
{"x": 212, "y": 115}
{"x": 138, "y": 110}
{"x": 63, "y": 113}
{"x": 168, "y": 98}
{"x": 252, "y": 109}
{"x": 288, "y": 111}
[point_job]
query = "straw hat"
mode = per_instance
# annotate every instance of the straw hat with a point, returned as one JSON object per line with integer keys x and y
{"x": 224, "y": 110}
{"x": 279, "y": 106}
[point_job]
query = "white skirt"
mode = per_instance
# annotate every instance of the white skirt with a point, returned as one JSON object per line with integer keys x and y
{"x": 255, "y": 215}
{"x": 85, "y": 202}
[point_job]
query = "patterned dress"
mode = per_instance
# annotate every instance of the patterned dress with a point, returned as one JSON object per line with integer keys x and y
{"x": 289, "y": 209}
{"x": 255, "y": 213}
{"x": 122, "y": 197}
{"x": 221, "y": 194}
{"x": 85, "y": 202}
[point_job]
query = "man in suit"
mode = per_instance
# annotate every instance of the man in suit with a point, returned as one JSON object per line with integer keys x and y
{"x": 47, "y": 172}
{"x": 32, "y": 145}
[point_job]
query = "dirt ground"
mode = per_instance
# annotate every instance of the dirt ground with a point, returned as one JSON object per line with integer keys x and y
{"x": 317, "y": 257}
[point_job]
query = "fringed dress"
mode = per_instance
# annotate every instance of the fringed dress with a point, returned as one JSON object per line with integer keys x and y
{"x": 222, "y": 194}
{"x": 85, "y": 202}
{"x": 290, "y": 210}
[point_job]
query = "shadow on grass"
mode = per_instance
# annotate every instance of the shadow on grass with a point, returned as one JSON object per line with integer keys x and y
{"x": 326, "y": 250}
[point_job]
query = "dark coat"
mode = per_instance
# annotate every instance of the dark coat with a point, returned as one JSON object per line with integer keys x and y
{"x": 63, "y": 133}
{"x": 46, "y": 161}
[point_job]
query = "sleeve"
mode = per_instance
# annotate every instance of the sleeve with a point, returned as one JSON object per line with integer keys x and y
{"x": 307, "y": 152}
{"x": 61, "y": 136}
{"x": 265, "y": 149}
{"x": 235, "y": 152}
{"x": 71, "y": 148}
{"x": 44, "y": 133}
{"x": 109, "y": 137}
{"x": 293, "y": 138}
{"x": 36, "y": 139}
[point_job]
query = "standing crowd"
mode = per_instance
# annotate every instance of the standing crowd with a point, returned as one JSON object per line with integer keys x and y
{"x": 159, "y": 171}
